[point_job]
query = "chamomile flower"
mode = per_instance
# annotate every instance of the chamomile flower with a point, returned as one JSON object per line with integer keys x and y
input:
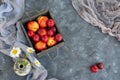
{"x": 37, "y": 63}
{"x": 15, "y": 52}
{"x": 30, "y": 50}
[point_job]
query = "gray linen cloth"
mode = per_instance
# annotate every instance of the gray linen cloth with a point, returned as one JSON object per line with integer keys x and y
{"x": 11, "y": 34}
{"x": 104, "y": 14}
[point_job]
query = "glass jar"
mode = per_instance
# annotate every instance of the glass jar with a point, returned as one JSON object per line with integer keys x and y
{"x": 22, "y": 67}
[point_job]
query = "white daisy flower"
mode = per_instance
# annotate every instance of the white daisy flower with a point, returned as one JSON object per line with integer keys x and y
{"x": 37, "y": 63}
{"x": 30, "y": 50}
{"x": 15, "y": 52}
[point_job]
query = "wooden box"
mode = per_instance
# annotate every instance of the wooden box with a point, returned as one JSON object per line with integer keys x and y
{"x": 31, "y": 43}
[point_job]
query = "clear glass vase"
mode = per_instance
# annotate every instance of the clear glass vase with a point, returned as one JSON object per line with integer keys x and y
{"x": 22, "y": 67}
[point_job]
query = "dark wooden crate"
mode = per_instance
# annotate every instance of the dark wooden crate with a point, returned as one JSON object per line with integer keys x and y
{"x": 24, "y": 28}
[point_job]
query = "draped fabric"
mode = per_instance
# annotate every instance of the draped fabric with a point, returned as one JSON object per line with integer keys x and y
{"x": 11, "y": 34}
{"x": 102, "y": 13}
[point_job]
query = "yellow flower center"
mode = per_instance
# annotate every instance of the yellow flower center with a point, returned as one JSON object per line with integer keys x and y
{"x": 14, "y": 51}
{"x": 37, "y": 63}
{"x": 30, "y": 50}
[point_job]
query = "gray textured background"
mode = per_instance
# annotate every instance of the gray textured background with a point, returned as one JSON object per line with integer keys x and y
{"x": 84, "y": 45}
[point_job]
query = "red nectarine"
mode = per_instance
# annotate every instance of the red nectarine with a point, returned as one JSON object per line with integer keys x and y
{"x": 42, "y": 32}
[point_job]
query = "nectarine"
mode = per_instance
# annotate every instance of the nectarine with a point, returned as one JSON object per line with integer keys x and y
{"x": 44, "y": 38}
{"x": 50, "y": 23}
{"x": 36, "y": 38}
{"x": 33, "y": 26}
{"x": 42, "y": 20}
{"x": 58, "y": 37}
{"x": 30, "y": 33}
{"x": 40, "y": 45}
{"x": 51, "y": 42}
{"x": 50, "y": 32}
{"x": 42, "y": 32}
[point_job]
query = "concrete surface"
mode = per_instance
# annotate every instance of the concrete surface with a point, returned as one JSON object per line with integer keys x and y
{"x": 84, "y": 45}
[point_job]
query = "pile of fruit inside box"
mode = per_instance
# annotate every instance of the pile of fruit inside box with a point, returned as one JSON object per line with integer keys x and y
{"x": 43, "y": 33}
